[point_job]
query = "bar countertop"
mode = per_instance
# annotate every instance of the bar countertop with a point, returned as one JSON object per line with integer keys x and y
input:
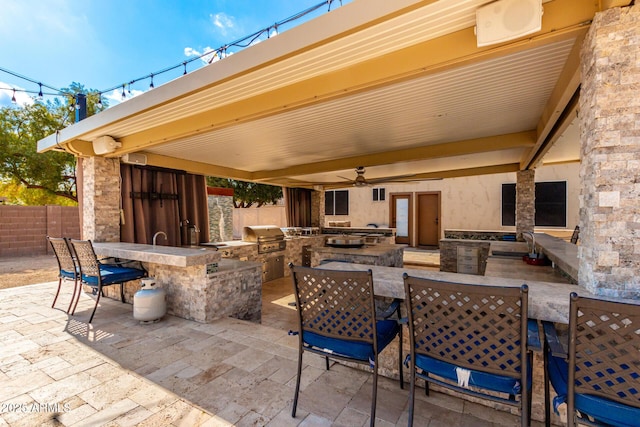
{"x": 547, "y": 301}
{"x": 165, "y": 255}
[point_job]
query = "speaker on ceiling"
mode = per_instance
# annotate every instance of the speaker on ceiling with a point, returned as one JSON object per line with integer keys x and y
{"x": 505, "y": 20}
{"x": 105, "y": 144}
{"x": 134, "y": 159}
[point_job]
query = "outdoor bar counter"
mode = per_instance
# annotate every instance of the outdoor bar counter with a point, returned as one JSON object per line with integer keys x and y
{"x": 199, "y": 284}
{"x": 547, "y": 301}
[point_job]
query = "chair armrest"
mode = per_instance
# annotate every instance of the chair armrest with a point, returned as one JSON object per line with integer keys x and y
{"x": 393, "y": 307}
{"x": 552, "y": 340}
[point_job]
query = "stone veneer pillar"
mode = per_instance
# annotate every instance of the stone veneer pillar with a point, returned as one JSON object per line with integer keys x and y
{"x": 525, "y": 202}
{"x": 609, "y": 252}
{"x": 317, "y": 208}
{"x": 101, "y": 199}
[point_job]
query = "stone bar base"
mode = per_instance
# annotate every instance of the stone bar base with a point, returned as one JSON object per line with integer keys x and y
{"x": 234, "y": 290}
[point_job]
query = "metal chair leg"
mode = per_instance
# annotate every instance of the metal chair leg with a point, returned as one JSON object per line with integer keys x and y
{"x": 73, "y": 297}
{"x": 57, "y": 292}
{"x": 122, "y": 292}
{"x": 412, "y": 390}
{"x": 77, "y": 298}
{"x": 374, "y": 393}
{"x": 295, "y": 398}
{"x": 400, "y": 359}
{"x": 96, "y": 306}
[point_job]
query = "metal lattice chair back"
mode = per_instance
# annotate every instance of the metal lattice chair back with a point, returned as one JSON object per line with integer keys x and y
{"x": 63, "y": 254}
{"x": 336, "y": 304}
{"x": 86, "y": 256}
{"x": 604, "y": 349}
{"x": 474, "y": 327}
{"x": 67, "y": 268}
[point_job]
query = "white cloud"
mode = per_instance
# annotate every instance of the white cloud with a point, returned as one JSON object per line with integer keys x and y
{"x": 223, "y": 22}
{"x": 115, "y": 96}
{"x": 211, "y": 56}
{"x": 6, "y": 95}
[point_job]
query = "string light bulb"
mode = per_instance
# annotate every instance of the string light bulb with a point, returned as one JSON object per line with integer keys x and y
{"x": 13, "y": 98}
{"x": 185, "y": 68}
{"x": 40, "y": 91}
{"x": 273, "y": 31}
{"x": 99, "y": 104}
{"x": 151, "y": 85}
{"x": 124, "y": 95}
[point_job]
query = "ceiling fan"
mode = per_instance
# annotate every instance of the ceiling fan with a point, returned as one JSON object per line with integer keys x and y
{"x": 361, "y": 181}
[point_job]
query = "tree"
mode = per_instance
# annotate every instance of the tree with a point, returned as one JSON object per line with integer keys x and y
{"x": 245, "y": 194}
{"x": 53, "y": 172}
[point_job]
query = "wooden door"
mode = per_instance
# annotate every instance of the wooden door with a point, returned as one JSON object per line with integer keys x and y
{"x": 401, "y": 216}
{"x": 428, "y": 219}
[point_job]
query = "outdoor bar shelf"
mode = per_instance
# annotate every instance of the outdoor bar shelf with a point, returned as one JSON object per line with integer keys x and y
{"x": 199, "y": 284}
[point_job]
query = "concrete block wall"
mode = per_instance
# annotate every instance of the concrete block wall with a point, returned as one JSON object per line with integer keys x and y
{"x": 23, "y": 229}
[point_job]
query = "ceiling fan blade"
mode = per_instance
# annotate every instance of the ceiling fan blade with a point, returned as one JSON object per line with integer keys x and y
{"x": 398, "y": 178}
{"x": 345, "y": 178}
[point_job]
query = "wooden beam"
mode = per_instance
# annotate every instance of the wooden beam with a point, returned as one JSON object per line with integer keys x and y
{"x": 459, "y": 148}
{"x": 563, "y": 92}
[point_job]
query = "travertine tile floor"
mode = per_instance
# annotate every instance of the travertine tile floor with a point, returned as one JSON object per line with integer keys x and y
{"x": 56, "y": 369}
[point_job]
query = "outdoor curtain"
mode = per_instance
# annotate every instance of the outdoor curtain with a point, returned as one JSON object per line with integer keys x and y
{"x": 298, "y": 203}
{"x": 157, "y": 199}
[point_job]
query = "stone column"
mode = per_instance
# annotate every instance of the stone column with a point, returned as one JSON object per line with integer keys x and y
{"x": 610, "y": 150}
{"x": 525, "y": 202}
{"x": 317, "y": 208}
{"x": 101, "y": 199}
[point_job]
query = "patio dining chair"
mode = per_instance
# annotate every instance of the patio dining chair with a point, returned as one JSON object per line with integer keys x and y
{"x": 67, "y": 268}
{"x": 97, "y": 274}
{"x": 337, "y": 319}
{"x": 472, "y": 339}
{"x": 598, "y": 375}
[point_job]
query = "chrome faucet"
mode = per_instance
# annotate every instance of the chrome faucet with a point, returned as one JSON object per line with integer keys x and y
{"x": 533, "y": 241}
{"x": 155, "y": 236}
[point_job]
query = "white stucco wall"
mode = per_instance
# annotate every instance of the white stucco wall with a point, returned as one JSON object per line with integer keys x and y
{"x": 471, "y": 203}
{"x": 264, "y": 215}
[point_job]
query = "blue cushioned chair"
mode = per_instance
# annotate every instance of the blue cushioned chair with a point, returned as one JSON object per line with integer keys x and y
{"x": 472, "y": 339}
{"x": 97, "y": 275}
{"x": 599, "y": 376}
{"x": 67, "y": 268}
{"x": 337, "y": 319}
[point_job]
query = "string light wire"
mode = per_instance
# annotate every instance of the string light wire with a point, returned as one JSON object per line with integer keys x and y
{"x": 220, "y": 53}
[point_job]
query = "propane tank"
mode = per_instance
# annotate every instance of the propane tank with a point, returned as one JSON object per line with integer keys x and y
{"x": 149, "y": 303}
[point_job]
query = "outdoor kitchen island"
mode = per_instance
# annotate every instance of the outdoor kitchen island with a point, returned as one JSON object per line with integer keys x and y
{"x": 388, "y": 255}
{"x": 199, "y": 284}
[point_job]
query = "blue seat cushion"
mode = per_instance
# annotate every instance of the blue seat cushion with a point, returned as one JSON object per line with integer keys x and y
{"x": 114, "y": 274}
{"x": 601, "y": 409}
{"x": 499, "y": 383}
{"x": 387, "y": 331}
{"x": 67, "y": 274}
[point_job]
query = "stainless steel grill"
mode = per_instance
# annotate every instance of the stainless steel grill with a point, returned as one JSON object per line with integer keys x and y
{"x": 269, "y": 238}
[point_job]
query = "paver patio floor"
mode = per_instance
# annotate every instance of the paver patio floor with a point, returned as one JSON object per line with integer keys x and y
{"x": 56, "y": 369}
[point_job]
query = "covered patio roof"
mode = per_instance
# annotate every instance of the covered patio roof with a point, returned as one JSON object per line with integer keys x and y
{"x": 399, "y": 87}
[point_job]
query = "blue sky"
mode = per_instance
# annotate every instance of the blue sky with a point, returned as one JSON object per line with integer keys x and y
{"x": 104, "y": 43}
